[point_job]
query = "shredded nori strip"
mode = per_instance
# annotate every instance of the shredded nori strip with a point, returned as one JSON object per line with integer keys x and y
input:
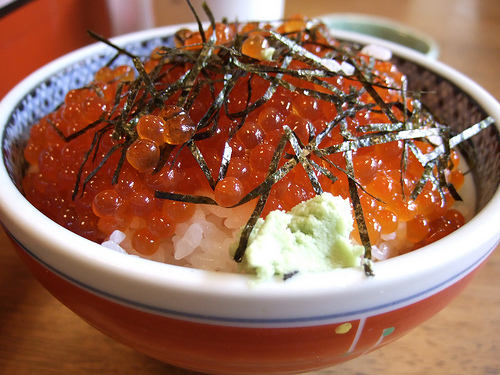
{"x": 289, "y": 275}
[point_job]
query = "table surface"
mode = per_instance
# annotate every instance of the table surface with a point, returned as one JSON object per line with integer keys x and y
{"x": 40, "y": 336}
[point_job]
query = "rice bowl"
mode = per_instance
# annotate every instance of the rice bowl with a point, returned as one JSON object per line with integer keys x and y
{"x": 111, "y": 290}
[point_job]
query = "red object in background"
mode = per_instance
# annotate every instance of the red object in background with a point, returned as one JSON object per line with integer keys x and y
{"x": 39, "y": 31}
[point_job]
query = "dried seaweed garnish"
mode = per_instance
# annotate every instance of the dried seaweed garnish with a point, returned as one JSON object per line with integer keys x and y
{"x": 274, "y": 174}
{"x": 261, "y": 202}
{"x": 302, "y": 156}
{"x": 165, "y": 151}
{"x": 247, "y": 229}
{"x": 147, "y": 93}
{"x": 289, "y": 275}
{"x": 358, "y": 213}
{"x": 226, "y": 158}
{"x": 186, "y": 198}
{"x": 462, "y": 137}
{"x": 201, "y": 161}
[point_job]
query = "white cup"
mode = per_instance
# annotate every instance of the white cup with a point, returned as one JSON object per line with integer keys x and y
{"x": 177, "y": 11}
{"x": 133, "y": 15}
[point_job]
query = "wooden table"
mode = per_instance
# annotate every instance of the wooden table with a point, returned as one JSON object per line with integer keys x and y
{"x": 40, "y": 336}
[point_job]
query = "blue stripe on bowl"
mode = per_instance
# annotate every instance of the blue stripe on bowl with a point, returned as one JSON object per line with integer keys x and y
{"x": 214, "y": 319}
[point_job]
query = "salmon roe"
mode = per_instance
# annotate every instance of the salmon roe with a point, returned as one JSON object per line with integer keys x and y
{"x": 128, "y": 201}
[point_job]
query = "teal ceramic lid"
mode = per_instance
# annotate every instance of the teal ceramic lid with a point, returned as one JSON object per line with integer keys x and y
{"x": 384, "y": 29}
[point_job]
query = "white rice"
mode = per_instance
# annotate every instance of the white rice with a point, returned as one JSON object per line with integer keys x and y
{"x": 203, "y": 241}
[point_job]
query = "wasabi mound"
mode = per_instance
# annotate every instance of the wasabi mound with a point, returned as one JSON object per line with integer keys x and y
{"x": 313, "y": 236}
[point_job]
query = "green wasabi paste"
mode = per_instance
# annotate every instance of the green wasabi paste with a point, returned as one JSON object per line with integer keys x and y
{"x": 313, "y": 237}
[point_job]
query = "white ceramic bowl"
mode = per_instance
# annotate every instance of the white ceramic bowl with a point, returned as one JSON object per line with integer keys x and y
{"x": 217, "y": 322}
